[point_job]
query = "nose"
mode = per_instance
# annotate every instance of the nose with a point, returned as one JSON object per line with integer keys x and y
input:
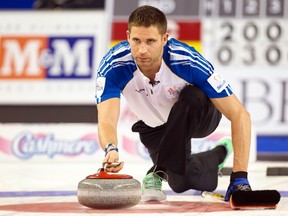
{"x": 143, "y": 49}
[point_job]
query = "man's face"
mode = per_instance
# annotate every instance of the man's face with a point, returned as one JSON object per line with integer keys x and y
{"x": 146, "y": 46}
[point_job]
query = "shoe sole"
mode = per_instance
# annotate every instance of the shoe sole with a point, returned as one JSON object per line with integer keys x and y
{"x": 153, "y": 197}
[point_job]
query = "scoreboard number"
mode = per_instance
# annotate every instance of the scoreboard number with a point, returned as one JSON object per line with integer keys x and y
{"x": 252, "y": 42}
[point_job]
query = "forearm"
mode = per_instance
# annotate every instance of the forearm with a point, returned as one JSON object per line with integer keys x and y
{"x": 241, "y": 138}
{"x": 107, "y": 134}
{"x": 108, "y": 114}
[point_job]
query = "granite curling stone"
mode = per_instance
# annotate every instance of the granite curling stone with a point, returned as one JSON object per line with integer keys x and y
{"x": 109, "y": 191}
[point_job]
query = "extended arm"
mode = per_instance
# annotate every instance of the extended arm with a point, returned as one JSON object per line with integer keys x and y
{"x": 234, "y": 111}
{"x": 108, "y": 115}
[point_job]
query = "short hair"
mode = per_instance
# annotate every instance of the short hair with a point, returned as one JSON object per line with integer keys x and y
{"x": 148, "y": 16}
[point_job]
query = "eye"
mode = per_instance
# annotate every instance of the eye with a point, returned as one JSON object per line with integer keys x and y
{"x": 150, "y": 41}
{"x": 136, "y": 40}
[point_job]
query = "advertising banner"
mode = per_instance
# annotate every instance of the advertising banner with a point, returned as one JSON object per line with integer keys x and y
{"x": 79, "y": 142}
{"x": 50, "y": 57}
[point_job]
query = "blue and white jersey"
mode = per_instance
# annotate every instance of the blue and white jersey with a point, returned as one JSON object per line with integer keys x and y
{"x": 181, "y": 65}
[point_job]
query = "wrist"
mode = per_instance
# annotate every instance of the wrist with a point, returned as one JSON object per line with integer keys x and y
{"x": 110, "y": 147}
{"x": 239, "y": 174}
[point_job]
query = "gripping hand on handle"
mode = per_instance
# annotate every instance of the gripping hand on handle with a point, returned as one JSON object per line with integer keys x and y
{"x": 111, "y": 159}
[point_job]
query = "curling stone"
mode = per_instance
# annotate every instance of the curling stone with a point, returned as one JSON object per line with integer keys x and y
{"x": 109, "y": 191}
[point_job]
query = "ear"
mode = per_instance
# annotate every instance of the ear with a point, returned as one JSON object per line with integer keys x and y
{"x": 165, "y": 38}
{"x": 128, "y": 34}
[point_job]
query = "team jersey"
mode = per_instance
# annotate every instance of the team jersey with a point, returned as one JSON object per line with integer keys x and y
{"x": 181, "y": 65}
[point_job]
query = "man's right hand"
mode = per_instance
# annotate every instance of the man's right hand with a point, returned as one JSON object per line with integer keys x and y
{"x": 111, "y": 157}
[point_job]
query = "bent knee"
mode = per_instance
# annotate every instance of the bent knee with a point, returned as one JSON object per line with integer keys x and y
{"x": 178, "y": 188}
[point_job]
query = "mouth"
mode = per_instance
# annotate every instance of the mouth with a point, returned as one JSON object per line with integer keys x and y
{"x": 142, "y": 59}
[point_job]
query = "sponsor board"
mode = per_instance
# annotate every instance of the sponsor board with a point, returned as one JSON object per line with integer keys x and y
{"x": 62, "y": 142}
{"x": 78, "y": 142}
{"x": 46, "y": 57}
{"x": 49, "y": 57}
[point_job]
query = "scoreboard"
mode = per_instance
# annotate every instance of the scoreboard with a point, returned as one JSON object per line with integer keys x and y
{"x": 248, "y": 42}
{"x": 245, "y": 40}
{"x": 249, "y": 32}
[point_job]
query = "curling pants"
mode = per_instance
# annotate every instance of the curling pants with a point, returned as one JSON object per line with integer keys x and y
{"x": 169, "y": 145}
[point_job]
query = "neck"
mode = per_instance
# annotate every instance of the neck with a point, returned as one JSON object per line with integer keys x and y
{"x": 151, "y": 71}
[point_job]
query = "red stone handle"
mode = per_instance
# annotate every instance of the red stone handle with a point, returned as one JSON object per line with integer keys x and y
{"x": 102, "y": 174}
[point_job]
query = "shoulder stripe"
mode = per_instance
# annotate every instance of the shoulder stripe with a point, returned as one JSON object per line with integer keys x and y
{"x": 180, "y": 52}
{"x": 118, "y": 56}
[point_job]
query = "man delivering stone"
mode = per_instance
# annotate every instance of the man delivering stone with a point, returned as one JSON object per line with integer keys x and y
{"x": 176, "y": 95}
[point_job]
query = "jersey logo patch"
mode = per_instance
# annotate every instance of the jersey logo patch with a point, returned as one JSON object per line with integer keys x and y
{"x": 216, "y": 81}
{"x": 173, "y": 91}
{"x": 100, "y": 85}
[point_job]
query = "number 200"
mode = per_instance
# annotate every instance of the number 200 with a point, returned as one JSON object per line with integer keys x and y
{"x": 250, "y": 32}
